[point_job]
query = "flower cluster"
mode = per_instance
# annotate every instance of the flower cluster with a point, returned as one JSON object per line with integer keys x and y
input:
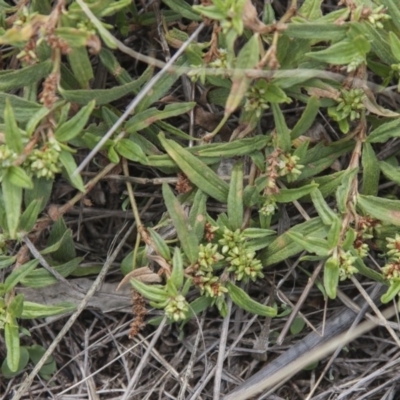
{"x": 221, "y": 61}
{"x": 7, "y": 156}
{"x": 243, "y": 262}
{"x": 347, "y": 268}
{"x": 288, "y": 167}
{"x": 375, "y": 16}
{"x": 45, "y": 163}
{"x": 255, "y": 98}
{"x": 177, "y": 308}
{"x": 391, "y": 270}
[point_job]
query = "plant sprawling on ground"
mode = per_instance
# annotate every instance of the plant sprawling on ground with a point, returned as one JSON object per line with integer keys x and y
{"x": 301, "y": 107}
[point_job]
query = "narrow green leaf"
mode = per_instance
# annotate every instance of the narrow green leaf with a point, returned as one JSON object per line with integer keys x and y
{"x": 394, "y": 11}
{"x": 35, "y": 310}
{"x": 385, "y": 132}
{"x": 18, "y": 274}
{"x": 177, "y": 269}
{"x": 131, "y": 151}
{"x": 196, "y": 171}
{"x": 72, "y": 128}
{"x": 289, "y": 195}
{"x": 392, "y": 292}
{"x": 30, "y": 216}
{"x": 23, "y": 109}
{"x": 159, "y": 243}
{"x": 12, "y": 196}
{"x": 394, "y": 43}
{"x": 40, "y": 277}
{"x": 100, "y": 96}
{"x": 316, "y": 31}
{"x": 183, "y": 8}
{"x": 334, "y": 233}
{"x": 151, "y": 292}
{"x": 371, "y": 171}
{"x": 368, "y": 272}
{"x": 282, "y": 131}
{"x": 11, "y": 335}
{"x": 54, "y": 247}
{"x": 184, "y": 231}
{"x": 197, "y": 214}
{"x": 6, "y": 261}
{"x": 81, "y": 66}
{"x": 70, "y": 166}
{"x": 13, "y": 134}
{"x": 383, "y": 209}
{"x": 21, "y": 77}
{"x": 331, "y": 277}
{"x": 66, "y": 250}
{"x": 41, "y": 191}
{"x": 16, "y": 306}
{"x": 23, "y": 362}
{"x": 391, "y": 172}
{"x": 343, "y": 191}
{"x": 311, "y": 9}
{"x": 307, "y": 118}
{"x": 284, "y": 247}
{"x": 235, "y": 198}
{"x": 19, "y": 177}
{"x": 244, "y": 301}
{"x": 145, "y": 118}
{"x": 313, "y": 245}
{"x": 326, "y": 214}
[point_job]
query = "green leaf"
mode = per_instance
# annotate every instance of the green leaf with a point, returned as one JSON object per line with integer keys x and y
{"x": 41, "y": 191}
{"x": 151, "y": 292}
{"x": 393, "y": 11}
{"x": 196, "y": 171}
{"x": 385, "y": 132}
{"x": 310, "y": 9}
{"x": 13, "y": 134}
{"x": 392, "y": 292}
{"x": 247, "y": 58}
{"x": 282, "y": 131}
{"x": 383, "y": 209}
{"x": 314, "y": 245}
{"x": 56, "y": 246}
{"x": 184, "y": 231}
{"x": 35, "y": 310}
{"x": 331, "y": 276}
{"x": 326, "y": 214}
{"x": 391, "y": 172}
{"x": 70, "y": 167}
{"x": 316, "y": 31}
{"x": 18, "y": 274}
{"x": 177, "y": 274}
{"x": 244, "y": 301}
{"x": 131, "y": 151}
{"x": 307, "y": 118}
{"x": 371, "y": 173}
{"x": 145, "y": 118}
{"x": 36, "y": 118}
{"x": 60, "y": 232}
{"x": 394, "y": 43}
{"x": 197, "y": 214}
{"x": 235, "y": 198}
{"x": 16, "y": 306}
{"x": 22, "y": 363}
{"x": 72, "y": 128}
{"x": 183, "y": 8}
{"x": 297, "y": 326}
{"x": 6, "y": 261}
{"x": 41, "y": 277}
{"x": 36, "y": 352}
{"x": 343, "y": 191}
{"x": 11, "y": 335}
{"x": 12, "y": 196}
{"x": 23, "y": 109}
{"x": 81, "y": 66}
{"x": 159, "y": 244}
{"x": 284, "y": 247}
{"x": 30, "y": 216}
{"x": 100, "y": 96}
{"x": 289, "y": 195}
{"x": 334, "y": 232}
{"x": 368, "y": 272}
{"x": 14, "y": 79}
{"x": 19, "y": 177}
